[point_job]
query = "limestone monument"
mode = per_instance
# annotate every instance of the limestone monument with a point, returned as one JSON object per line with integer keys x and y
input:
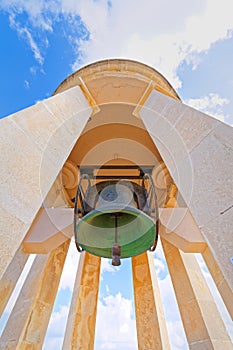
{"x": 116, "y": 126}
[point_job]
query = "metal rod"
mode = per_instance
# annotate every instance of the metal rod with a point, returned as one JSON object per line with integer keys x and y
{"x": 80, "y": 195}
{"x": 116, "y": 229}
{"x": 116, "y": 249}
{"x": 143, "y": 169}
{"x": 116, "y": 167}
{"x": 152, "y": 193}
{"x": 107, "y": 177}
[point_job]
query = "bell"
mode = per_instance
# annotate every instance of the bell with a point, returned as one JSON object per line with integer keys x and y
{"x": 114, "y": 227}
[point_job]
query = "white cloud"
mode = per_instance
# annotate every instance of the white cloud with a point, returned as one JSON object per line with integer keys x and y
{"x": 58, "y": 321}
{"x": 106, "y": 266}
{"x": 159, "y": 265}
{"x": 159, "y": 251}
{"x": 160, "y": 33}
{"x": 26, "y": 84}
{"x": 178, "y": 341}
{"x": 115, "y": 324}
{"x": 70, "y": 268}
{"x": 37, "y": 11}
{"x": 24, "y": 33}
{"x": 56, "y": 329}
{"x": 211, "y": 104}
{"x": 210, "y": 101}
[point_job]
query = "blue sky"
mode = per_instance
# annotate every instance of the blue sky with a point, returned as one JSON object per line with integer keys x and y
{"x": 190, "y": 42}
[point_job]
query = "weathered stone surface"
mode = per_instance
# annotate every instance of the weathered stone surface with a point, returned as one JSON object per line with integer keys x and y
{"x": 35, "y": 144}
{"x": 220, "y": 281}
{"x": 51, "y": 228}
{"x": 27, "y": 325}
{"x": 212, "y": 186}
{"x": 80, "y": 328}
{"x": 22, "y": 309}
{"x": 11, "y": 276}
{"x": 178, "y": 227}
{"x": 202, "y": 322}
{"x": 193, "y": 126}
{"x": 198, "y": 152}
{"x": 11, "y": 228}
{"x": 147, "y": 316}
{"x": 222, "y": 249}
{"x": 159, "y": 305}
{"x": 20, "y": 175}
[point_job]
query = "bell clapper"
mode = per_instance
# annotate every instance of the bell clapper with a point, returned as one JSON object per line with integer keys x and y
{"x": 116, "y": 249}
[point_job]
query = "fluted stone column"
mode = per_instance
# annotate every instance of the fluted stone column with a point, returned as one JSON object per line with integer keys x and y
{"x": 11, "y": 276}
{"x": 80, "y": 328}
{"x": 28, "y": 321}
{"x": 202, "y": 322}
{"x": 151, "y": 326}
{"x": 219, "y": 280}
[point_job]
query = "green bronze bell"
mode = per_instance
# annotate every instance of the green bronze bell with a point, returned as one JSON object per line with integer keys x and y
{"x": 112, "y": 225}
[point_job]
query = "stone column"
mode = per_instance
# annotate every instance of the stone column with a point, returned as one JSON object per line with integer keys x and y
{"x": 11, "y": 276}
{"x": 80, "y": 328}
{"x": 202, "y": 322}
{"x": 158, "y": 302}
{"x": 27, "y": 324}
{"x": 35, "y": 144}
{"x": 219, "y": 280}
{"x": 151, "y": 327}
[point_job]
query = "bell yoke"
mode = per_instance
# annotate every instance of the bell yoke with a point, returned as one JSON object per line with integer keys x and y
{"x": 117, "y": 218}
